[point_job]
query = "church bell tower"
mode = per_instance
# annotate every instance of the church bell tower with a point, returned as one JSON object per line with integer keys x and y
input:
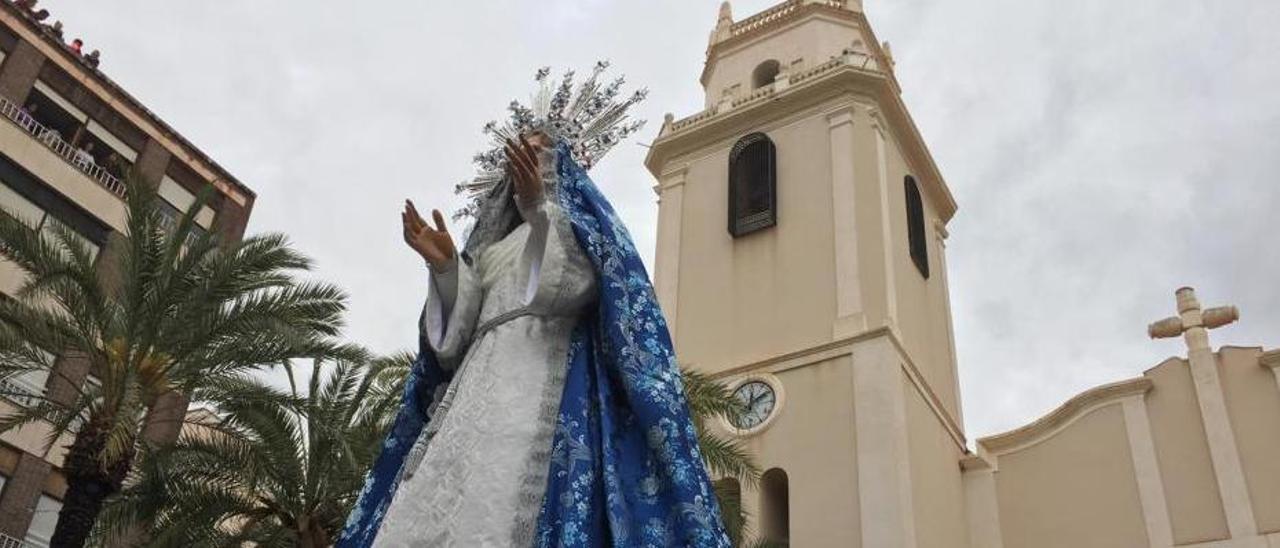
{"x": 801, "y": 259}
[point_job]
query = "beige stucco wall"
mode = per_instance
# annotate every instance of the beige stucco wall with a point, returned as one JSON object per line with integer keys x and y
{"x": 1083, "y": 484}
{"x": 11, "y": 277}
{"x": 774, "y": 291}
{"x": 937, "y": 491}
{"x": 919, "y": 306}
{"x": 1074, "y": 489}
{"x": 1195, "y": 506}
{"x": 812, "y": 440}
{"x": 1253, "y": 402}
{"x": 824, "y": 36}
{"x": 770, "y": 292}
{"x": 31, "y": 437}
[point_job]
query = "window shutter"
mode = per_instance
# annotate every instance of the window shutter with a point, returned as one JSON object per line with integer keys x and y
{"x": 916, "y": 234}
{"x": 753, "y": 193}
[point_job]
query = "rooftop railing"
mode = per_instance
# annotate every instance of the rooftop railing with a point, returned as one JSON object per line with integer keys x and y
{"x": 51, "y": 139}
{"x": 776, "y": 13}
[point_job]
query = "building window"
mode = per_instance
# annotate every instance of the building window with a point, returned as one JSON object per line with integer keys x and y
{"x": 43, "y": 522}
{"x": 174, "y": 202}
{"x": 29, "y": 213}
{"x": 765, "y": 74}
{"x": 916, "y": 238}
{"x": 62, "y": 121}
{"x": 775, "y": 506}
{"x": 753, "y": 194}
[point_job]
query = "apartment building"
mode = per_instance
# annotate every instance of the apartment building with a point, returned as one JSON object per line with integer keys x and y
{"x": 68, "y": 135}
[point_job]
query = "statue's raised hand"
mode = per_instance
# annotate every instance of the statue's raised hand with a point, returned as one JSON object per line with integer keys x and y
{"x": 435, "y": 245}
{"x": 522, "y": 160}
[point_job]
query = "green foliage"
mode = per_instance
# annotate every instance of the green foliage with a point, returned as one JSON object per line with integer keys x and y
{"x": 170, "y": 309}
{"x": 276, "y": 468}
{"x": 726, "y": 458}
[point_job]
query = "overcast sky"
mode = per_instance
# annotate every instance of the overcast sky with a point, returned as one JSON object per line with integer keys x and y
{"x": 1103, "y": 153}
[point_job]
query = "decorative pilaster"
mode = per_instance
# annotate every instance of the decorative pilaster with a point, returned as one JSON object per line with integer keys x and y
{"x": 886, "y": 224}
{"x": 1146, "y": 468}
{"x": 981, "y": 506}
{"x": 883, "y": 459}
{"x": 941, "y": 234}
{"x": 667, "y": 258}
{"x": 19, "y": 71}
{"x": 850, "y": 313}
{"x": 152, "y": 163}
{"x": 1194, "y": 325}
{"x": 21, "y": 493}
{"x": 1271, "y": 360}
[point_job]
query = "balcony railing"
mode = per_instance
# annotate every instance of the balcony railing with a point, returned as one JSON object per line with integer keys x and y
{"x": 7, "y": 541}
{"x": 63, "y": 149}
{"x": 20, "y": 393}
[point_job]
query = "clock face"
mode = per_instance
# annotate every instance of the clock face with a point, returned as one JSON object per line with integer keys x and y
{"x": 758, "y": 399}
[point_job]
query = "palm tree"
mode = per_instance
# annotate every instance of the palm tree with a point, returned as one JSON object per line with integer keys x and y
{"x": 175, "y": 311}
{"x": 275, "y": 469}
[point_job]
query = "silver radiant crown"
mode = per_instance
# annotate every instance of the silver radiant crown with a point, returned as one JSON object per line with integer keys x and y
{"x": 591, "y": 117}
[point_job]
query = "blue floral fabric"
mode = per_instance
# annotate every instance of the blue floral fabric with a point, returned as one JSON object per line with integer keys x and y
{"x": 625, "y": 467}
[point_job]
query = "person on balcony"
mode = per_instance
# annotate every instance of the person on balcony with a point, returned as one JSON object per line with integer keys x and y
{"x": 27, "y": 117}
{"x": 84, "y": 156}
{"x": 49, "y": 136}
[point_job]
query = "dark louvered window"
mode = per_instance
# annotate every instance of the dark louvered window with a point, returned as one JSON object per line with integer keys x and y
{"x": 753, "y": 173}
{"x": 915, "y": 227}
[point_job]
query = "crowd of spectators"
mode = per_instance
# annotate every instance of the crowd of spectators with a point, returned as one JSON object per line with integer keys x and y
{"x": 76, "y": 46}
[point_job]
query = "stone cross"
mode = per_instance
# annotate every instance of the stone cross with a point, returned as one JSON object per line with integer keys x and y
{"x": 1192, "y": 322}
{"x": 1194, "y": 325}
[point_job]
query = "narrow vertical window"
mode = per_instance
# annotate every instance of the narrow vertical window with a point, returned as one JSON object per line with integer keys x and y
{"x": 775, "y": 506}
{"x": 752, "y": 185}
{"x": 916, "y": 237}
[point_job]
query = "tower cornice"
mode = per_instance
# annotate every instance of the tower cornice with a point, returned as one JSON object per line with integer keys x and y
{"x": 853, "y": 76}
{"x": 730, "y": 36}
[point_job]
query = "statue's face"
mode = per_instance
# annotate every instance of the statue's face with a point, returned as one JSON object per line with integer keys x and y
{"x": 540, "y": 140}
{"x": 544, "y": 146}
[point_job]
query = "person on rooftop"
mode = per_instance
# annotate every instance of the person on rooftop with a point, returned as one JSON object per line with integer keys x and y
{"x": 76, "y": 45}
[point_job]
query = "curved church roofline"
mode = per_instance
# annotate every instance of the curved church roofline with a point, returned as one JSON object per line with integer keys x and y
{"x": 1270, "y": 358}
{"x": 1073, "y": 409}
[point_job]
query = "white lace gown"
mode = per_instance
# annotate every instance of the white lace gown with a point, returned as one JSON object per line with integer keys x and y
{"x": 512, "y": 312}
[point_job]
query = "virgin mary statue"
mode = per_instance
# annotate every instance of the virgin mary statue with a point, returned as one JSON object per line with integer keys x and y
{"x": 545, "y": 407}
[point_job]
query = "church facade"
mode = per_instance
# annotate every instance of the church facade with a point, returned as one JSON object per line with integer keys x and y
{"x": 801, "y": 258}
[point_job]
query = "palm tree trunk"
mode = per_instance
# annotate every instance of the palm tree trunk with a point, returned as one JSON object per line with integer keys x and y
{"x": 88, "y": 485}
{"x": 311, "y": 534}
